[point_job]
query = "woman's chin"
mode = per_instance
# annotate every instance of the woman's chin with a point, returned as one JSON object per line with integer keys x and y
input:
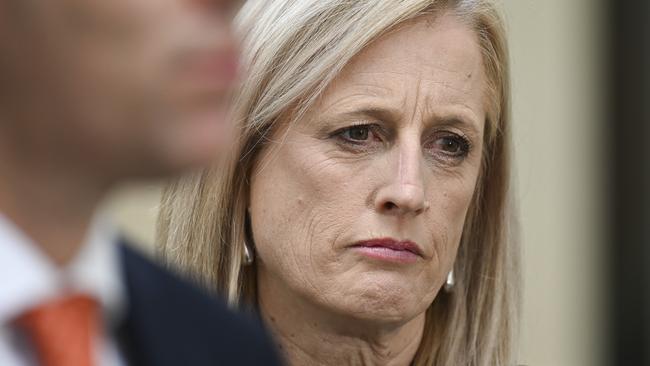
{"x": 376, "y": 316}
{"x": 390, "y": 301}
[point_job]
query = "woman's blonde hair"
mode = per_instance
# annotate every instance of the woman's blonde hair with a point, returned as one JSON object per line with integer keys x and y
{"x": 293, "y": 49}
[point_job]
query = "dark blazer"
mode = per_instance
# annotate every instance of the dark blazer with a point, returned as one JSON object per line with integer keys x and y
{"x": 171, "y": 323}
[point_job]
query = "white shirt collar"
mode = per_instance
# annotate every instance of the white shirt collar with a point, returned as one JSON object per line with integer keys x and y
{"x": 29, "y": 278}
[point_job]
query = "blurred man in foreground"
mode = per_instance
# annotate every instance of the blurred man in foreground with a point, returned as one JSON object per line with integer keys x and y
{"x": 94, "y": 93}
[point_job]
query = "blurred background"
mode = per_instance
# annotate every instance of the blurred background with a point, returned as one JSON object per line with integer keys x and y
{"x": 578, "y": 107}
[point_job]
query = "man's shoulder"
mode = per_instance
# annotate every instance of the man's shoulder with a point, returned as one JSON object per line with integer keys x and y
{"x": 154, "y": 283}
{"x": 166, "y": 311}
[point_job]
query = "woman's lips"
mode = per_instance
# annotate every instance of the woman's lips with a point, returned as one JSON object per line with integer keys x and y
{"x": 388, "y": 249}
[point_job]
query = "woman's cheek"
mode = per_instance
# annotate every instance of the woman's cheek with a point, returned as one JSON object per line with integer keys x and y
{"x": 288, "y": 229}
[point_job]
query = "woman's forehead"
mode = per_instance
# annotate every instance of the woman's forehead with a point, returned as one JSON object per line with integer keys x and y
{"x": 444, "y": 45}
{"x": 436, "y": 65}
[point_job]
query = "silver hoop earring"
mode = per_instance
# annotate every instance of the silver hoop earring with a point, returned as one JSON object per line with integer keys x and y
{"x": 249, "y": 257}
{"x": 450, "y": 282}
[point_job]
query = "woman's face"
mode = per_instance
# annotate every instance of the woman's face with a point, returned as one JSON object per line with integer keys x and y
{"x": 359, "y": 208}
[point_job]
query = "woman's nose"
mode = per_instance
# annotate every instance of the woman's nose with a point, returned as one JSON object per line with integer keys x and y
{"x": 403, "y": 192}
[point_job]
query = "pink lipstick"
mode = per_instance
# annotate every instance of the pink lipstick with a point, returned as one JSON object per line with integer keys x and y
{"x": 390, "y": 250}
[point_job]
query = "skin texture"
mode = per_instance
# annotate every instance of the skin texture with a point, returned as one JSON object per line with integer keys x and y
{"x": 94, "y": 92}
{"x": 409, "y": 176}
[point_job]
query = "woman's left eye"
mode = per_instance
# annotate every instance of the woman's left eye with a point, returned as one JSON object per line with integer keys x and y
{"x": 452, "y": 145}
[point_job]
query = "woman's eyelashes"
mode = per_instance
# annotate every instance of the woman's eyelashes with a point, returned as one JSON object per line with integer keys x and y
{"x": 445, "y": 146}
{"x": 450, "y": 146}
{"x": 362, "y": 135}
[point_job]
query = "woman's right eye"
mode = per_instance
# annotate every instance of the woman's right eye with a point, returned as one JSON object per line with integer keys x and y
{"x": 360, "y": 134}
{"x": 357, "y": 133}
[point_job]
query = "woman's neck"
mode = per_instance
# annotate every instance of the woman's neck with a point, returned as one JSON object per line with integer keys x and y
{"x": 308, "y": 334}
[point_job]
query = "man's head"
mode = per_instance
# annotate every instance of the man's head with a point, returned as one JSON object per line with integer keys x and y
{"x": 121, "y": 88}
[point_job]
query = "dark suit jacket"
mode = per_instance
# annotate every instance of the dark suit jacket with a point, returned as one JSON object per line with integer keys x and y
{"x": 171, "y": 323}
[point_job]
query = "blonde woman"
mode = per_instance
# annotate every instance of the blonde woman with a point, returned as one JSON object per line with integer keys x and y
{"x": 365, "y": 209}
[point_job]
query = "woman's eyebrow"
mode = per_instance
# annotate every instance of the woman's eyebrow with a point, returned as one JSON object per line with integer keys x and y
{"x": 393, "y": 116}
{"x": 456, "y": 120}
{"x": 383, "y": 114}
{"x": 364, "y": 113}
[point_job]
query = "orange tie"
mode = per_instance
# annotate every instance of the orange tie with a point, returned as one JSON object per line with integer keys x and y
{"x": 62, "y": 331}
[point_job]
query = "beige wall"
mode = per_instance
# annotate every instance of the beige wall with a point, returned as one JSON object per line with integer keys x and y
{"x": 554, "y": 47}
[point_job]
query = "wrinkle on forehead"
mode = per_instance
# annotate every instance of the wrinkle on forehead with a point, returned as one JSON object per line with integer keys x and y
{"x": 397, "y": 72}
